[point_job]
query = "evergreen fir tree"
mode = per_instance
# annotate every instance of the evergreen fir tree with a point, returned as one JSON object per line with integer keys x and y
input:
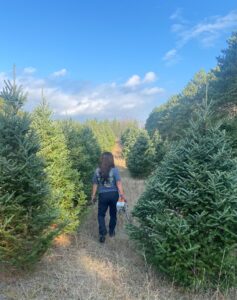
{"x": 160, "y": 146}
{"x": 25, "y": 216}
{"x": 128, "y": 139}
{"x": 65, "y": 183}
{"x": 140, "y": 160}
{"x": 224, "y": 88}
{"x": 103, "y": 133}
{"x": 84, "y": 151}
{"x": 188, "y": 212}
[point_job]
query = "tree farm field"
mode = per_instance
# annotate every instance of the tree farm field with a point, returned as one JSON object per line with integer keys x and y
{"x": 78, "y": 267}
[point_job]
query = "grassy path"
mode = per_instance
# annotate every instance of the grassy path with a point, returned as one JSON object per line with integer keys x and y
{"x": 80, "y": 268}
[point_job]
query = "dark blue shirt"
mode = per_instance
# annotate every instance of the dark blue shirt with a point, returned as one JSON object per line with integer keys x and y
{"x": 111, "y": 184}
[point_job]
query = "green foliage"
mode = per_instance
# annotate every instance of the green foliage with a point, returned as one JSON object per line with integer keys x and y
{"x": 224, "y": 88}
{"x": 84, "y": 151}
{"x": 119, "y": 127}
{"x": 103, "y": 133}
{"x": 187, "y": 214}
{"x": 160, "y": 147}
{"x": 128, "y": 139}
{"x": 173, "y": 118}
{"x": 25, "y": 216}
{"x": 65, "y": 183}
{"x": 140, "y": 158}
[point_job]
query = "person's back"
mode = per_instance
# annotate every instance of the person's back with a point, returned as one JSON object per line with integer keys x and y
{"x": 108, "y": 182}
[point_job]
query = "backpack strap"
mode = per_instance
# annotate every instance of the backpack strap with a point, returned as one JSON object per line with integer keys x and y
{"x": 100, "y": 179}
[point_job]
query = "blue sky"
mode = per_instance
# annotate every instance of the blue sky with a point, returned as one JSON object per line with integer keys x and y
{"x": 107, "y": 59}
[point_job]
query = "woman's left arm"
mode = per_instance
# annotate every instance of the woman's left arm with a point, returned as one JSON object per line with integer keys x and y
{"x": 94, "y": 190}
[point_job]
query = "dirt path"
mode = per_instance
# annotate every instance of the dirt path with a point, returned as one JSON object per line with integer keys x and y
{"x": 81, "y": 268}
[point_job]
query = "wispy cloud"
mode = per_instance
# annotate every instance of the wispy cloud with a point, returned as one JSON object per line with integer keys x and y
{"x": 206, "y": 32}
{"x": 171, "y": 57}
{"x": 209, "y": 30}
{"x": 29, "y": 70}
{"x": 177, "y": 15}
{"x": 60, "y": 73}
{"x": 108, "y": 100}
{"x": 153, "y": 91}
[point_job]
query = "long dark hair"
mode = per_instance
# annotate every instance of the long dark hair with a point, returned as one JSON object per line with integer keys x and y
{"x": 106, "y": 163}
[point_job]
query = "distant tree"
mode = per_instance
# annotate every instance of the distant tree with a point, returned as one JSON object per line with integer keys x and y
{"x": 173, "y": 118}
{"x": 160, "y": 119}
{"x": 224, "y": 88}
{"x": 140, "y": 160}
{"x": 128, "y": 139}
{"x": 120, "y": 126}
{"x": 25, "y": 214}
{"x": 103, "y": 133}
{"x": 65, "y": 183}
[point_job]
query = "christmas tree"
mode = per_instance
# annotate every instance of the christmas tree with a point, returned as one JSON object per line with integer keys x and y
{"x": 25, "y": 216}
{"x": 187, "y": 216}
{"x": 140, "y": 159}
{"x": 84, "y": 151}
{"x": 161, "y": 147}
{"x": 66, "y": 187}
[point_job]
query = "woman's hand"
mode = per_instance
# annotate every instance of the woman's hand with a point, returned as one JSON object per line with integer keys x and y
{"x": 93, "y": 200}
{"x": 122, "y": 197}
{"x": 93, "y": 193}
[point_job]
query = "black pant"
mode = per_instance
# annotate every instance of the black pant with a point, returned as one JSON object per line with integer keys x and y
{"x": 107, "y": 199}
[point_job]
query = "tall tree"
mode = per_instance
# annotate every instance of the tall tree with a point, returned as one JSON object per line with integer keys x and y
{"x": 224, "y": 88}
{"x": 25, "y": 215}
{"x": 128, "y": 139}
{"x": 66, "y": 186}
{"x": 173, "y": 118}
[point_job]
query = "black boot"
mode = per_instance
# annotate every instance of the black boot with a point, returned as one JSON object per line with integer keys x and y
{"x": 102, "y": 239}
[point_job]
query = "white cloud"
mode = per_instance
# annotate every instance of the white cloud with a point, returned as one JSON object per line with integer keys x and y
{"x": 60, "y": 73}
{"x": 133, "y": 81}
{"x": 149, "y": 77}
{"x": 108, "y": 100}
{"x": 152, "y": 91}
{"x": 29, "y": 70}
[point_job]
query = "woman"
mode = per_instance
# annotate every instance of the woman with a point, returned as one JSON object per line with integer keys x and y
{"x": 108, "y": 182}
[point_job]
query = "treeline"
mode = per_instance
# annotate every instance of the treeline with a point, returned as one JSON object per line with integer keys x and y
{"x": 172, "y": 118}
{"x": 46, "y": 168}
{"x": 169, "y": 122}
{"x": 186, "y": 218}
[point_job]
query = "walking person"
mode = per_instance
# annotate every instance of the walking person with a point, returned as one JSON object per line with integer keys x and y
{"x": 107, "y": 181}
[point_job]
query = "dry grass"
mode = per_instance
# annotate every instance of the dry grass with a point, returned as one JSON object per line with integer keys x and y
{"x": 79, "y": 267}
